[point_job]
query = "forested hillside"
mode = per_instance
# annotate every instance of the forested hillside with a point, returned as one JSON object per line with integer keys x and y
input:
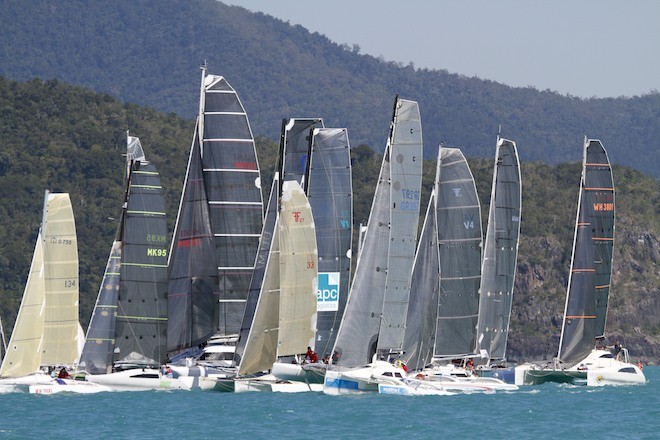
{"x": 147, "y": 52}
{"x": 69, "y": 139}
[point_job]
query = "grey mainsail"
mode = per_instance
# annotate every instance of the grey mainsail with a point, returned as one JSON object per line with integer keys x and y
{"x": 498, "y": 270}
{"x": 459, "y": 240}
{"x": 192, "y": 293}
{"x": 232, "y": 183}
{"x": 405, "y": 188}
{"x": 330, "y": 193}
{"x": 142, "y": 304}
{"x": 591, "y": 264}
{"x": 395, "y": 200}
{"x": 129, "y": 322}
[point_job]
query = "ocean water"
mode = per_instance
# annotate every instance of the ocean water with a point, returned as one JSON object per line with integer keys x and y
{"x": 548, "y": 411}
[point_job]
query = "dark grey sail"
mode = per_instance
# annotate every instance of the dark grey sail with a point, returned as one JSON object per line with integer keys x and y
{"x": 330, "y": 194}
{"x": 296, "y": 139}
{"x": 498, "y": 270}
{"x": 192, "y": 292}
{"x": 231, "y": 179}
{"x": 459, "y": 241}
{"x": 591, "y": 265}
{"x": 423, "y": 303}
{"x": 142, "y": 303}
{"x": 96, "y": 357}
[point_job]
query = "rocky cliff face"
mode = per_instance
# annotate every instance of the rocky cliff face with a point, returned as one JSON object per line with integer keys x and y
{"x": 634, "y": 303}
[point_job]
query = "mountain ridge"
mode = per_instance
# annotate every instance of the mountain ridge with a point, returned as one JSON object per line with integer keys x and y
{"x": 148, "y": 55}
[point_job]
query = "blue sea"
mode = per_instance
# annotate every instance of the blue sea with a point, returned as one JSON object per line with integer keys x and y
{"x": 547, "y": 411}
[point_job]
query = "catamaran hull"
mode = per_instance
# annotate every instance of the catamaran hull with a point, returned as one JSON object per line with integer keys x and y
{"x": 413, "y": 388}
{"x": 362, "y": 379}
{"x": 529, "y": 374}
{"x": 138, "y": 379}
{"x": 628, "y": 375}
{"x": 68, "y": 386}
{"x": 306, "y": 373}
{"x": 271, "y": 384}
{"x": 338, "y": 383}
{"x": 597, "y": 369}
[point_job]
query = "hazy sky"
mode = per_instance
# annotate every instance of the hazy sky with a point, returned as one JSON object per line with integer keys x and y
{"x": 585, "y": 48}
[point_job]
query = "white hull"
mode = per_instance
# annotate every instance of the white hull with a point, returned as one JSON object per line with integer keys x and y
{"x": 138, "y": 379}
{"x": 68, "y": 386}
{"x": 626, "y": 375}
{"x": 599, "y": 368}
{"x": 457, "y": 379}
{"x": 471, "y": 384}
{"x": 413, "y": 388}
{"x": 22, "y": 384}
{"x": 306, "y": 373}
{"x": 270, "y": 383}
{"x": 361, "y": 380}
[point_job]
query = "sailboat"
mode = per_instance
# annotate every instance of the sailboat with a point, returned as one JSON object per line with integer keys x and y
{"x": 284, "y": 319}
{"x": 45, "y": 334}
{"x": 443, "y": 305}
{"x": 498, "y": 270}
{"x": 582, "y": 355}
{"x": 216, "y": 239}
{"x": 125, "y": 342}
{"x": 319, "y": 159}
{"x": 371, "y": 332}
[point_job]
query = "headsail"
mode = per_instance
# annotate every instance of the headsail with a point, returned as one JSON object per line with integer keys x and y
{"x": 459, "y": 240}
{"x": 22, "y": 357}
{"x": 423, "y": 303}
{"x": 500, "y": 253}
{"x": 96, "y": 357}
{"x": 262, "y": 305}
{"x": 591, "y": 264}
{"x": 192, "y": 292}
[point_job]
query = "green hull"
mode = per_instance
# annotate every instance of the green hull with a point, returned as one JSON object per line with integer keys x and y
{"x": 538, "y": 377}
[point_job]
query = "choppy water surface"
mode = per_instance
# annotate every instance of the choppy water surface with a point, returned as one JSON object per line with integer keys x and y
{"x": 546, "y": 411}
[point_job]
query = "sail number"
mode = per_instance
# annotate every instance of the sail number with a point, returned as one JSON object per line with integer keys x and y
{"x": 410, "y": 200}
{"x": 152, "y": 252}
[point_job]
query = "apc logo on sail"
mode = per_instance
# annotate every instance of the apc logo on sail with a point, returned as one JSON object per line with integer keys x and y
{"x": 327, "y": 294}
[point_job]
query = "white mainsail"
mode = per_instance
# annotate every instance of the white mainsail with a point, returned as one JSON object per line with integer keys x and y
{"x": 60, "y": 346}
